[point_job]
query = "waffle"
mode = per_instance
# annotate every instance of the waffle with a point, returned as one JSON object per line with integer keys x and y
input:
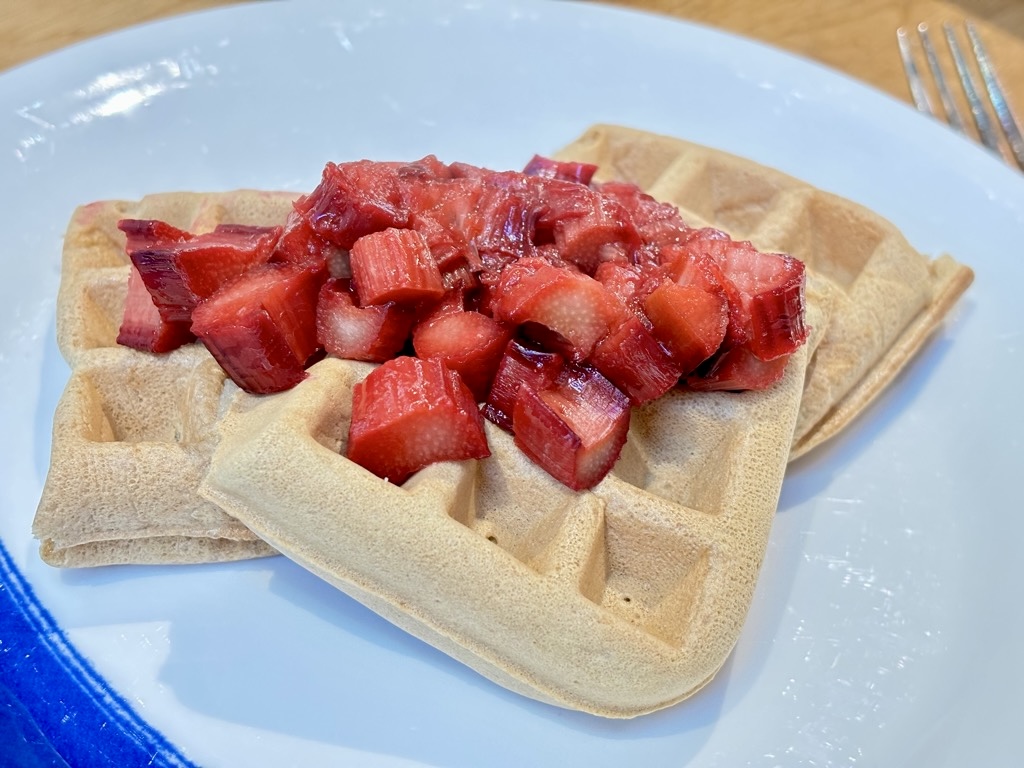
{"x": 616, "y": 601}
{"x": 133, "y": 433}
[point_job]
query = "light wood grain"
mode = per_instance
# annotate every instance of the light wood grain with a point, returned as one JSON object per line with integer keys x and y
{"x": 37, "y": 27}
{"x": 858, "y": 38}
{"x": 854, "y": 37}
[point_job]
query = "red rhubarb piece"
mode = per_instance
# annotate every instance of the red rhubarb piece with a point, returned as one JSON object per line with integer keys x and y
{"x": 690, "y": 321}
{"x": 262, "y": 328}
{"x": 395, "y": 265}
{"x": 576, "y": 310}
{"x": 520, "y": 365}
{"x": 701, "y": 267}
{"x": 442, "y": 213}
{"x": 631, "y": 284}
{"x": 409, "y": 413}
{"x": 180, "y": 273}
{"x": 633, "y": 359}
{"x": 374, "y": 333}
{"x": 771, "y": 290}
{"x": 355, "y": 199}
{"x": 575, "y": 429}
{"x": 657, "y": 223}
{"x": 603, "y": 233}
{"x": 143, "y": 233}
{"x": 142, "y": 327}
{"x": 503, "y": 222}
{"x": 564, "y": 170}
{"x": 300, "y": 244}
{"x": 737, "y": 369}
{"x": 470, "y": 343}
{"x": 555, "y": 202}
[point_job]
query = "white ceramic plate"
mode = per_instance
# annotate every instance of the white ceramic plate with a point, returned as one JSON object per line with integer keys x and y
{"x": 886, "y": 624}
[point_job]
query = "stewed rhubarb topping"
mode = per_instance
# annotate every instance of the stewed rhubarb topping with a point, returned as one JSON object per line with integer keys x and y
{"x": 543, "y": 301}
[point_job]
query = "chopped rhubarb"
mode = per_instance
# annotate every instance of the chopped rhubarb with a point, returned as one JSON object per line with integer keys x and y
{"x": 576, "y": 310}
{"x": 262, "y": 328}
{"x": 692, "y": 267}
{"x": 470, "y": 343}
{"x": 503, "y": 222}
{"x": 575, "y": 429}
{"x": 766, "y": 293}
{"x": 557, "y": 202}
{"x": 602, "y": 234}
{"x": 181, "y": 272}
{"x": 373, "y": 334}
{"x": 300, "y": 244}
{"x": 424, "y": 170}
{"x": 565, "y": 170}
{"x": 443, "y": 218}
{"x": 636, "y": 362}
{"x": 520, "y": 365}
{"x": 737, "y": 369}
{"x": 690, "y": 321}
{"x": 701, "y": 267}
{"x": 395, "y": 265}
{"x": 142, "y": 327}
{"x": 355, "y": 199}
{"x": 557, "y": 301}
{"x": 442, "y": 213}
{"x": 143, "y": 233}
{"x": 408, "y": 413}
{"x": 657, "y": 223}
{"x": 631, "y": 284}
{"x": 771, "y": 291}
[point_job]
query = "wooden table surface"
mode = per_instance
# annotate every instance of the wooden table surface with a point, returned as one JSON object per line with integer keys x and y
{"x": 854, "y": 36}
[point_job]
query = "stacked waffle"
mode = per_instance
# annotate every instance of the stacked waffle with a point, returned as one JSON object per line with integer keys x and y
{"x": 618, "y": 600}
{"x": 133, "y": 433}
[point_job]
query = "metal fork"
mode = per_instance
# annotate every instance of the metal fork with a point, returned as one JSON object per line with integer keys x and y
{"x": 986, "y": 130}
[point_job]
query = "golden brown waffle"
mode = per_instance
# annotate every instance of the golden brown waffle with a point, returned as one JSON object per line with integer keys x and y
{"x": 616, "y": 601}
{"x": 133, "y": 432}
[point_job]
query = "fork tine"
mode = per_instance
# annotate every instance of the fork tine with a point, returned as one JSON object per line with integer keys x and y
{"x": 917, "y": 89}
{"x": 953, "y": 116}
{"x": 996, "y": 95}
{"x": 985, "y": 130}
